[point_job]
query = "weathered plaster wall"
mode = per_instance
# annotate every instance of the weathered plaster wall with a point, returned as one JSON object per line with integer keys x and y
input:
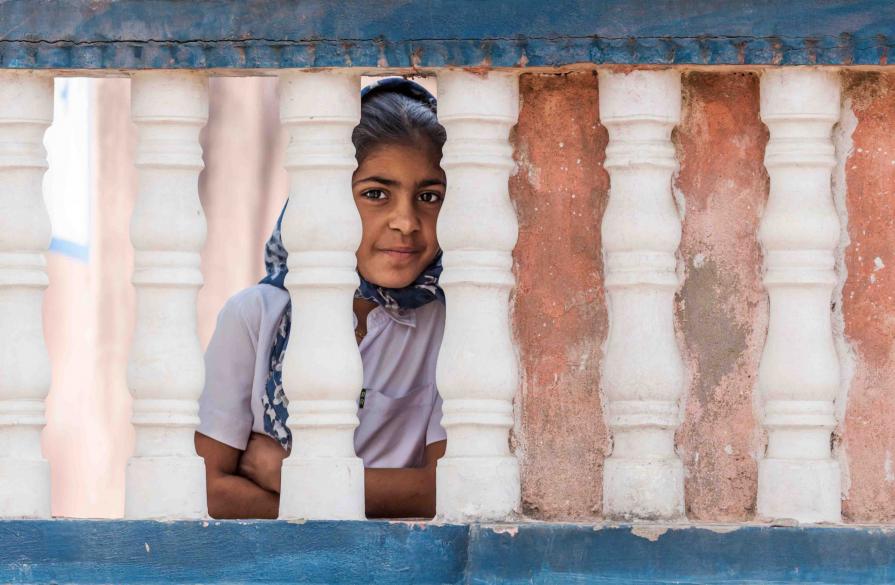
{"x": 869, "y": 300}
{"x": 560, "y": 192}
{"x": 721, "y": 307}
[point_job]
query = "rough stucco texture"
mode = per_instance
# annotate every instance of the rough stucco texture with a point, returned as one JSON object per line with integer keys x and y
{"x": 869, "y": 301}
{"x": 560, "y": 191}
{"x": 721, "y": 309}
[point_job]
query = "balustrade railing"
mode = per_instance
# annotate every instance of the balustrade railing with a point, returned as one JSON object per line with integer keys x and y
{"x": 799, "y": 377}
{"x": 165, "y": 477}
{"x": 641, "y": 232}
{"x": 323, "y": 478}
{"x": 722, "y": 353}
{"x": 479, "y": 477}
{"x": 26, "y": 111}
{"x": 322, "y": 370}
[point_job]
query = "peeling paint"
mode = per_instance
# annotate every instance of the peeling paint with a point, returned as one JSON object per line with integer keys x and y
{"x": 842, "y": 140}
{"x": 721, "y": 309}
{"x": 722, "y": 528}
{"x": 421, "y": 524}
{"x": 651, "y": 533}
{"x": 510, "y": 530}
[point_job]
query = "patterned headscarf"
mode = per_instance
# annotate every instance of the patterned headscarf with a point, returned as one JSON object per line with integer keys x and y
{"x": 421, "y": 291}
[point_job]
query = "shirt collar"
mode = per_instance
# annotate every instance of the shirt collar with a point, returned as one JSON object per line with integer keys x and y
{"x": 406, "y": 317}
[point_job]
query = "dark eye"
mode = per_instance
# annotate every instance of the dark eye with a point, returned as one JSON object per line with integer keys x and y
{"x": 430, "y": 197}
{"x": 375, "y": 194}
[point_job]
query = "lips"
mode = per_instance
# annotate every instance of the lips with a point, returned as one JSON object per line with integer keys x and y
{"x": 401, "y": 253}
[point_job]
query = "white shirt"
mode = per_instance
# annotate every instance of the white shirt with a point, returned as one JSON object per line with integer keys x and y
{"x": 401, "y": 413}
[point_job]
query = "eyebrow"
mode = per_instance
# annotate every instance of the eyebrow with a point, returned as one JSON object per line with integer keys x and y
{"x": 390, "y": 182}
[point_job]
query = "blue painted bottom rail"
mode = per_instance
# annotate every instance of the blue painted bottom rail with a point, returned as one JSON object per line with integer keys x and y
{"x": 102, "y": 551}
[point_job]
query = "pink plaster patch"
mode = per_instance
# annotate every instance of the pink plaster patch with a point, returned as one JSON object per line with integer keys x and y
{"x": 869, "y": 300}
{"x": 722, "y": 307}
{"x": 559, "y": 314}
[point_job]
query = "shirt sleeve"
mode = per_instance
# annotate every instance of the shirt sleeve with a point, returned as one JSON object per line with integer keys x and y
{"x": 435, "y": 432}
{"x": 225, "y": 412}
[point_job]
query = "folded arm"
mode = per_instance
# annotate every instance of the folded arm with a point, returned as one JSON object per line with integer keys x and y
{"x": 403, "y": 493}
{"x": 247, "y": 484}
{"x": 231, "y": 495}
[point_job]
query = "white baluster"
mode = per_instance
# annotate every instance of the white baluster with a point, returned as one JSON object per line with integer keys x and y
{"x": 322, "y": 370}
{"x": 165, "y": 477}
{"x": 799, "y": 373}
{"x": 477, "y": 373}
{"x": 643, "y": 373}
{"x": 26, "y": 110}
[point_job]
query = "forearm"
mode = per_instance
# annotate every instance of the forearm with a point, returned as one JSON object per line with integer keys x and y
{"x": 229, "y": 494}
{"x": 400, "y": 493}
{"x": 234, "y": 497}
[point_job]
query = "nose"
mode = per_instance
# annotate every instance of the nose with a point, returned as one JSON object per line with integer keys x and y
{"x": 404, "y": 217}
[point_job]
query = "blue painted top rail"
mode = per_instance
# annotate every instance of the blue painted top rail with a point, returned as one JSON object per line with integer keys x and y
{"x": 394, "y": 34}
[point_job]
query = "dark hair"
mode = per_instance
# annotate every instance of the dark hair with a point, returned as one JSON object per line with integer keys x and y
{"x": 394, "y": 118}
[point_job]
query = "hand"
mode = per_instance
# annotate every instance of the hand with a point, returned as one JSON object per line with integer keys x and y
{"x": 262, "y": 461}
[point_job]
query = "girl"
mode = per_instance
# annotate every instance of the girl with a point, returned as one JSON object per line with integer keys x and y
{"x": 399, "y": 309}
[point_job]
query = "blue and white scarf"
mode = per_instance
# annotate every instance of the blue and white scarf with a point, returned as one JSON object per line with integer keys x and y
{"x": 421, "y": 291}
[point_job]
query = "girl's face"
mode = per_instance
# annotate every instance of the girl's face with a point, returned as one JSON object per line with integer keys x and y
{"x": 398, "y": 190}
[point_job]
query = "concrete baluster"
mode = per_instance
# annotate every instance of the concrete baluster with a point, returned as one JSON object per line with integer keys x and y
{"x": 477, "y": 373}
{"x": 165, "y": 477}
{"x": 26, "y": 111}
{"x": 643, "y": 374}
{"x": 798, "y": 376}
{"x": 322, "y": 370}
